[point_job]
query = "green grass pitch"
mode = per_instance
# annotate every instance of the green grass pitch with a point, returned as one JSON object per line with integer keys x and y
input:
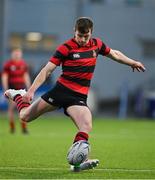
{"x": 125, "y": 148}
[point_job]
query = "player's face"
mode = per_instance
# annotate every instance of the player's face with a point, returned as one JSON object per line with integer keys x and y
{"x": 82, "y": 39}
{"x": 16, "y": 54}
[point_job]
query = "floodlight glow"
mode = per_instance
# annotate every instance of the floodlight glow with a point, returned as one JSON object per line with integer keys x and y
{"x": 33, "y": 36}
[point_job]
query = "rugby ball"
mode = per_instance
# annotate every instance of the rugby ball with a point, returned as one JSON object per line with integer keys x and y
{"x": 78, "y": 152}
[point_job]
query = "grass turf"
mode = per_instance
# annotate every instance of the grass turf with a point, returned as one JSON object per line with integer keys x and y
{"x": 125, "y": 148}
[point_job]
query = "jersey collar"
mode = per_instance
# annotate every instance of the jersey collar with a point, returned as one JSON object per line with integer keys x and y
{"x": 89, "y": 44}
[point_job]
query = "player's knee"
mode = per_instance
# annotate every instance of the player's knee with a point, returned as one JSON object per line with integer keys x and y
{"x": 24, "y": 116}
{"x": 87, "y": 126}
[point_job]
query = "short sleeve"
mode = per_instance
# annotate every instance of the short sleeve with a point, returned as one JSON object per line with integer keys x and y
{"x": 5, "y": 68}
{"x": 59, "y": 55}
{"x": 26, "y": 68}
{"x": 103, "y": 48}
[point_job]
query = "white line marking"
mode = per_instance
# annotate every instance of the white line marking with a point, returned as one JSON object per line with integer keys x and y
{"x": 59, "y": 169}
{"x": 31, "y": 168}
{"x": 126, "y": 170}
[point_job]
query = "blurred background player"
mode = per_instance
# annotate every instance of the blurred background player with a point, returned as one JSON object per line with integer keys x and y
{"x": 15, "y": 76}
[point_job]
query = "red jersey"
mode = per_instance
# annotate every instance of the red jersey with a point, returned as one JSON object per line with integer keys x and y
{"x": 15, "y": 71}
{"x": 78, "y": 63}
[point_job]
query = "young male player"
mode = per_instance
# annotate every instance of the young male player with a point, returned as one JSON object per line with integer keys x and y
{"x": 77, "y": 56}
{"x": 15, "y": 76}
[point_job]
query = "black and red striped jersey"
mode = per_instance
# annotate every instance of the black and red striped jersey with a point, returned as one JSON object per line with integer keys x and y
{"x": 78, "y": 63}
{"x": 15, "y": 71}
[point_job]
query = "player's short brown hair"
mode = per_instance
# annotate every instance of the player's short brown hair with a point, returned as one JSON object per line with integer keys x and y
{"x": 16, "y": 49}
{"x": 83, "y": 25}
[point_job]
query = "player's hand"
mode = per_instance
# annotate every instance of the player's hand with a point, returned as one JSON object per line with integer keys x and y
{"x": 138, "y": 66}
{"x": 28, "y": 97}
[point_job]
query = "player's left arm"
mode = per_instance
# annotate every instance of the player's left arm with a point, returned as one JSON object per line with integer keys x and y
{"x": 123, "y": 59}
{"x": 27, "y": 80}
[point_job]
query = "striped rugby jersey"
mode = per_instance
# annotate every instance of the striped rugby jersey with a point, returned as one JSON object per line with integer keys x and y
{"x": 16, "y": 71}
{"x": 78, "y": 63}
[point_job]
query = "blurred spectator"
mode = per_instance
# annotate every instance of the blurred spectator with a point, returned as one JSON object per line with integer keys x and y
{"x": 15, "y": 76}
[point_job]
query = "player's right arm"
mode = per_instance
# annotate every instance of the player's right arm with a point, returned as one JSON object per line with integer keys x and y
{"x": 5, "y": 81}
{"x": 5, "y": 76}
{"x": 39, "y": 80}
{"x": 60, "y": 53}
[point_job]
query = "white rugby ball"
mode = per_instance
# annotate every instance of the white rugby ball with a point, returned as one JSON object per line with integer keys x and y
{"x": 78, "y": 152}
